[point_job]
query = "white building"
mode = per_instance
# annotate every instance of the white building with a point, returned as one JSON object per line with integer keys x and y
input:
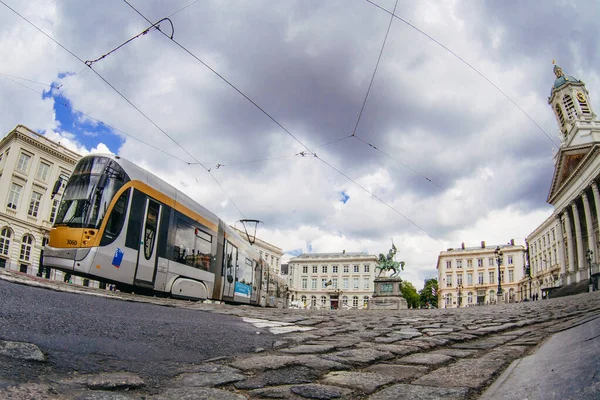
{"x": 332, "y": 280}
{"x": 468, "y": 276}
{"x": 270, "y": 253}
{"x": 30, "y": 164}
{"x": 564, "y": 250}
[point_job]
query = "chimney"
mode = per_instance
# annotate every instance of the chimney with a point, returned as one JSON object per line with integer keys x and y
{"x": 343, "y": 251}
{"x": 512, "y": 242}
{"x": 483, "y": 244}
{"x": 462, "y": 245}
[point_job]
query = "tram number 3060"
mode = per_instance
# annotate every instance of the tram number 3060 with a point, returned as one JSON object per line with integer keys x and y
{"x": 72, "y": 242}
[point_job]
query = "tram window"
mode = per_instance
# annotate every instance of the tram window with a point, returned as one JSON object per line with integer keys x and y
{"x": 202, "y": 250}
{"x": 116, "y": 220}
{"x": 184, "y": 243}
{"x": 231, "y": 263}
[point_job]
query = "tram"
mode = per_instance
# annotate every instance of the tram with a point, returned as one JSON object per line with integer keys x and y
{"x": 119, "y": 224}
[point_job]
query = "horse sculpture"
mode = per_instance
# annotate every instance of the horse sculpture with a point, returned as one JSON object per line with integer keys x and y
{"x": 387, "y": 263}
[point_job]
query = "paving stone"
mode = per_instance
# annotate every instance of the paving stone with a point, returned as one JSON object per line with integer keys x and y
{"x": 315, "y": 391}
{"x": 108, "y": 381}
{"x": 463, "y": 373}
{"x": 195, "y": 393}
{"x": 396, "y": 349}
{"x": 459, "y": 353}
{"x": 29, "y": 391}
{"x": 21, "y": 351}
{"x": 275, "y": 392}
{"x": 437, "y": 331}
{"x": 423, "y": 345}
{"x": 282, "y": 376}
{"x": 261, "y": 362}
{"x": 208, "y": 379}
{"x": 425, "y": 359}
{"x": 102, "y": 395}
{"x": 358, "y": 356}
{"x": 366, "y": 382}
{"x": 309, "y": 349}
{"x": 401, "y": 373}
{"x": 414, "y": 392}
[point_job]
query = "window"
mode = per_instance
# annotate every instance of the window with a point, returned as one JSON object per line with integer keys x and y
{"x": 305, "y": 269}
{"x": 469, "y": 263}
{"x": 313, "y": 301}
{"x": 324, "y": 269}
{"x": 356, "y": 269}
{"x": 490, "y": 261}
{"x": 449, "y": 264}
{"x": 42, "y": 171}
{"x": 459, "y": 263}
{"x": 469, "y": 279}
{"x": 480, "y": 262}
{"x": 570, "y": 107}
{"x": 355, "y": 283}
{"x": 13, "y": 196}
{"x": 480, "y": 278}
{"x": 34, "y": 204}
{"x": 492, "y": 296}
{"x": 313, "y": 283}
{"x": 23, "y": 163}
{"x": 323, "y": 283}
{"x": 303, "y": 300}
{"x": 354, "y": 301}
{"x": 315, "y": 269}
{"x": 334, "y": 283}
{"x": 511, "y": 276}
{"x": 459, "y": 279}
{"x": 334, "y": 269}
{"x": 448, "y": 280}
{"x": 26, "y": 248}
{"x": 115, "y": 222}
{"x": 448, "y": 299}
{"x": 510, "y": 260}
{"x": 304, "y": 283}
{"x": 491, "y": 277}
{"x": 560, "y": 115}
{"x": 585, "y": 109}
{"x": 365, "y": 301}
{"x": 346, "y": 269}
{"x": 367, "y": 268}
{"x": 345, "y": 283}
{"x": 323, "y": 301}
{"x": 192, "y": 246}
{"x": 344, "y": 300}
{"x": 470, "y": 297}
{"x": 53, "y": 210}
{"x": 5, "y": 235}
{"x": 366, "y": 282}
{"x": 502, "y": 276}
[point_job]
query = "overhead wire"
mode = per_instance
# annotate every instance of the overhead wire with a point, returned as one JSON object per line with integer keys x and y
{"x": 393, "y": 14}
{"x": 279, "y": 124}
{"x": 125, "y": 98}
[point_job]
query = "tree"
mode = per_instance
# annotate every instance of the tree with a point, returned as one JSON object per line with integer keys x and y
{"x": 429, "y": 294}
{"x": 410, "y": 294}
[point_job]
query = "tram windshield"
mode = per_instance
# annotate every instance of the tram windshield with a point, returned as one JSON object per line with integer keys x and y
{"x": 89, "y": 191}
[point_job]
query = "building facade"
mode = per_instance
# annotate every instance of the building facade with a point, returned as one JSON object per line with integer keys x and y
{"x": 468, "y": 276}
{"x": 332, "y": 280}
{"x": 30, "y": 164}
{"x": 565, "y": 249}
{"x": 270, "y": 253}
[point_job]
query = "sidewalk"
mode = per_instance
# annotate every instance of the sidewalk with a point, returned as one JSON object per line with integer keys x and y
{"x": 566, "y": 366}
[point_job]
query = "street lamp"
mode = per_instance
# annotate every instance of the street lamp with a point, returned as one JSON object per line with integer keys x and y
{"x": 499, "y": 255}
{"x": 589, "y": 255}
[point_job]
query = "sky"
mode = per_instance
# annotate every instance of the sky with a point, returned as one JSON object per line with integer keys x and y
{"x": 290, "y": 112}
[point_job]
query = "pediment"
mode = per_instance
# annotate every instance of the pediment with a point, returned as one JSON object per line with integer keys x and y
{"x": 570, "y": 163}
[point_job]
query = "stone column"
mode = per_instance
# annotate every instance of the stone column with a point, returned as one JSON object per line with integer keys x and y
{"x": 578, "y": 238}
{"x": 597, "y": 203}
{"x": 570, "y": 246}
{"x": 588, "y": 222}
{"x": 561, "y": 246}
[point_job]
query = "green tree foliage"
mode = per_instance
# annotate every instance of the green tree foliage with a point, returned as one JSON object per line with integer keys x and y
{"x": 429, "y": 294}
{"x": 410, "y": 294}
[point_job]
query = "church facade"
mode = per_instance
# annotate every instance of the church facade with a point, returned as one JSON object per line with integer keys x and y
{"x": 565, "y": 249}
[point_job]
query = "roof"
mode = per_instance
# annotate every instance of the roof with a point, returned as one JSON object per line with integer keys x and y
{"x": 308, "y": 256}
{"x": 561, "y": 80}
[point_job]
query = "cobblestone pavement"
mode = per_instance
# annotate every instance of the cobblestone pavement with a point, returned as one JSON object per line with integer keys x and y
{"x": 327, "y": 354}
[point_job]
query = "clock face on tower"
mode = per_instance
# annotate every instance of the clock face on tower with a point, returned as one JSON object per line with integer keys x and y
{"x": 580, "y": 97}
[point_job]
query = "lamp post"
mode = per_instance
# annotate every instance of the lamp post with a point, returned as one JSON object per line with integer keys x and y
{"x": 499, "y": 255}
{"x": 589, "y": 255}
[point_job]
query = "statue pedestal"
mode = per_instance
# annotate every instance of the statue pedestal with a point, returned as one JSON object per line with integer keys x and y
{"x": 388, "y": 295}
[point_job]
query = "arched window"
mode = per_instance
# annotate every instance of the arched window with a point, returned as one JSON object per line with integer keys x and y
{"x": 560, "y": 115}
{"x": 26, "y": 242}
{"x": 366, "y": 301}
{"x": 303, "y": 300}
{"x": 570, "y": 107}
{"x": 355, "y": 301}
{"x": 492, "y": 296}
{"x": 313, "y": 301}
{"x": 449, "y": 300}
{"x": 470, "y": 298}
{"x": 344, "y": 300}
{"x": 323, "y": 301}
{"x": 5, "y": 235}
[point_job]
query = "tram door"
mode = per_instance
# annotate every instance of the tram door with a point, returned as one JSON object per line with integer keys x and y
{"x": 147, "y": 251}
{"x": 256, "y": 281}
{"x": 229, "y": 269}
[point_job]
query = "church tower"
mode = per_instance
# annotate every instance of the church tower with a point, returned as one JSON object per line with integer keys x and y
{"x": 570, "y": 103}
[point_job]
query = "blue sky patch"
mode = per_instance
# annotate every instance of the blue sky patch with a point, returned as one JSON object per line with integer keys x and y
{"x": 295, "y": 252}
{"x": 87, "y": 132}
{"x": 345, "y": 197}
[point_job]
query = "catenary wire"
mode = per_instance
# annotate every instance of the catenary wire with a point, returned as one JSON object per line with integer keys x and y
{"x": 281, "y": 126}
{"x": 468, "y": 65}
{"x": 126, "y": 99}
{"x": 182, "y": 8}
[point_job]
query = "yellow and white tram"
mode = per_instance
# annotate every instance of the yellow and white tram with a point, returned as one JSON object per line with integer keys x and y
{"x": 120, "y": 224}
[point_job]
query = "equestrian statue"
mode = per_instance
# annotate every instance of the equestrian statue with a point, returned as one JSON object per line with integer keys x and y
{"x": 387, "y": 263}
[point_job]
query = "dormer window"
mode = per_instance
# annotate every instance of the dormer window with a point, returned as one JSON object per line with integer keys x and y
{"x": 570, "y": 107}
